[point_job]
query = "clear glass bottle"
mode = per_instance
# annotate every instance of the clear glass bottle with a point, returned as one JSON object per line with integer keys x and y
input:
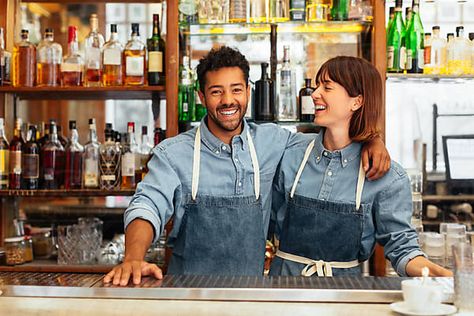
{"x": 73, "y": 64}
{"x": 109, "y": 161}
{"x": 112, "y": 60}
{"x": 4, "y": 157}
{"x": 471, "y": 38}
{"x": 317, "y": 10}
{"x": 16, "y": 149}
{"x": 129, "y": 157}
{"x": 52, "y": 160}
{"x": 144, "y": 155}
{"x": 186, "y": 109}
{"x": 74, "y": 158}
{"x": 459, "y": 61}
{"x": 5, "y": 60}
{"x": 24, "y": 62}
{"x": 279, "y": 11}
{"x": 91, "y": 158}
{"x": 287, "y": 95}
{"x": 30, "y": 161}
{"x": 237, "y": 11}
{"x": 49, "y": 58}
{"x": 427, "y": 51}
{"x": 260, "y": 11}
{"x": 92, "y": 49}
{"x": 156, "y": 54}
{"x": 134, "y": 59}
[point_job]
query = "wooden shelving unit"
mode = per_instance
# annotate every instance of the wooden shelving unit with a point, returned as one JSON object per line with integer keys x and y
{"x": 65, "y": 193}
{"x": 52, "y": 266}
{"x": 449, "y": 198}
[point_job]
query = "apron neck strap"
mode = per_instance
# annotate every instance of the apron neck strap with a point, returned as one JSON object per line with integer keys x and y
{"x": 360, "y": 179}
{"x": 197, "y": 162}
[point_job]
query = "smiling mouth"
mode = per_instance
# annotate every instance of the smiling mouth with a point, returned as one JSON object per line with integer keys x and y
{"x": 319, "y": 107}
{"x": 228, "y": 111}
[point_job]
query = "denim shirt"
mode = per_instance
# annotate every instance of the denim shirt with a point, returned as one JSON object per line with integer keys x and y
{"x": 226, "y": 170}
{"x": 332, "y": 176}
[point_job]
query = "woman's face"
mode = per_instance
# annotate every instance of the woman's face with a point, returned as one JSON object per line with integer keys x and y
{"x": 333, "y": 107}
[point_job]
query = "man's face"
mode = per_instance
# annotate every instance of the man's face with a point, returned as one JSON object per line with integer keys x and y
{"x": 226, "y": 95}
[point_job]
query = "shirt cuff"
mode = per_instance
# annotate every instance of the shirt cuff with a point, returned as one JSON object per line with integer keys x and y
{"x": 402, "y": 264}
{"x": 145, "y": 214}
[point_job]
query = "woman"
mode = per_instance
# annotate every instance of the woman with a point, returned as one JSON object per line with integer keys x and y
{"x": 328, "y": 217}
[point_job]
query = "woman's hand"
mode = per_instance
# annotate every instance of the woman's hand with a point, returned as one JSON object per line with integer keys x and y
{"x": 375, "y": 158}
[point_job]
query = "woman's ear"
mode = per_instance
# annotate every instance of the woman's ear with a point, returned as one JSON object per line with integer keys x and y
{"x": 358, "y": 102}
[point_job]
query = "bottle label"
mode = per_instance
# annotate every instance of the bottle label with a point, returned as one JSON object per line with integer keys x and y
{"x": 185, "y": 107}
{"x": 403, "y": 58}
{"x": 409, "y": 60}
{"x": 128, "y": 165}
{"x": 155, "y": 61}
{"x": 91, "y": 173}
{"x": 197, "y": 99}
{"x": 4, "y": 157}
{"x": 112, "y": 57}
{"x": 108, "y": 177}
{"x": 48, "y": 174}
{"x": 2, "y": 60}
{"x": 93, "y": 58}
{"x": 307, "y": 105}
{"x": 134, "y": 66}
{"x": 68, "y": 67}
{"x": 390, "y": 56}
{"x": 421, "y": 58}
{"x": 8, "y": 57}
{"x": 30, "y": 166}
{"x": 15, "y": 162}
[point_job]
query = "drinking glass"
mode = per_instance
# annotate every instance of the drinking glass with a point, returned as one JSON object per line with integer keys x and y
{"x": 434, "y": 247}
{"x": 463, "y": 277}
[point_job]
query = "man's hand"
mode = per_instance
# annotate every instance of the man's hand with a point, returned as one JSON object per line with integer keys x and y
{"x": 374, "y": 151}
{"x": 136, "y": 268}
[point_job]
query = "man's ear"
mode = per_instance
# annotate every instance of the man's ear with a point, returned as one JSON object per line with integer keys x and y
{"x": 359, "y": 101}
{"x": 201, "y": 96}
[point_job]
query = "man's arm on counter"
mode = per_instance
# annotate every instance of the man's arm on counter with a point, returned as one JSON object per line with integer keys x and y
{"x": 138, "y": 237}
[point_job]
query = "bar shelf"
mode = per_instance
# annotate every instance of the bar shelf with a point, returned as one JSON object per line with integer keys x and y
{"x": 66, "y": 193}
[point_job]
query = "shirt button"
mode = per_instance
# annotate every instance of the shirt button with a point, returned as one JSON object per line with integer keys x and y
{"x": 329, "y": 173}
{"x": 224, "y": 148}
{"x": 325, "y": 153}
{"x": 240, "y": 184}
{"x": 318, "y": 158}
{"x": 236, "y": 160}
{"x": 217, "y": 151}
{"x": 345, "y": 160}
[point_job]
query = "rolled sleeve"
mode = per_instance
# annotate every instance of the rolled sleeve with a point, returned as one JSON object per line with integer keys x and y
{"x": 157, "y": 196}
{"x": 393, "y": 211}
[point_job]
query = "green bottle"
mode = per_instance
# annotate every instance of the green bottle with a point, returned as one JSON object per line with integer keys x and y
{"x": 390, "y": 19}
{"x": 396, "y": 56}
{"x": 186, "y": 106}
{"x": 201, "y": 110}
{"x": 415, "y": 41}
{"x": 340, "y": 10}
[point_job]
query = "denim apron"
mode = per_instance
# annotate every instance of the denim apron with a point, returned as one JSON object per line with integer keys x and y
{"x": 319, "y": 236}
{"x": 220, "y": 235}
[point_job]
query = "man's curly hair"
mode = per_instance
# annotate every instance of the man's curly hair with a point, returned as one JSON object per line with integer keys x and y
{"x": 221, "y": 57}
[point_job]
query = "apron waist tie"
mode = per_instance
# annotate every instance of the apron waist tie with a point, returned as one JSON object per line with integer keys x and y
{"x": 322, "y": 268}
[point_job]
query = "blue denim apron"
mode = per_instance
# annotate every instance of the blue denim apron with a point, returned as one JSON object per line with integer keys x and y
{"x": 319, "y": 236}
{"x": 220, "y": 235}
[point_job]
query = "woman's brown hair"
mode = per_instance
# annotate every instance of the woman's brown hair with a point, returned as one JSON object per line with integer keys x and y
{"x": 358, "y": 77}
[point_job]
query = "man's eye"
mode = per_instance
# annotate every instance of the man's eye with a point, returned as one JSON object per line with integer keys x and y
{"x": 215, "y": 92}
{"x": 238, "y": 90}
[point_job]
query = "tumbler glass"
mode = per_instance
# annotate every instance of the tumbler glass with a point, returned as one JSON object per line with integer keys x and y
{"x": 463, "y": 277}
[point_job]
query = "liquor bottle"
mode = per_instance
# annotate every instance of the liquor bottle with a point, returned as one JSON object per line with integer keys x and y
{"x": 158, "y": 135}
{"x": 72, "y": 66}
{"x": 396, "y": 56}
{"x": 144, "y": 153}
{"x": 427, "y": 50}
{"x": 471, "y": 38}
{"x": 264, "y": 97}
{"x": 186, "y": 108}
{"x": 52, "y": 160}
{"x": 459, "y": 62}
{"x": 237, "y": 11}
{"x": 415, "y": 41}
{"x": 24, "y": 62}
{"x": 74, "y": 158}
{"x": 305, "y": 104}
{"x": 49, "y": 58}
{"x": 408, "y": 15}
{"x": 4, "y": 157}
{"x": 112, "y": 60}
{"x": 5, "y": 59}
{"x": 156, "y": 53}
{"x": 279, "y": 11}
{"x": 30, "y": 161}
{"x": 91, "y": 158}
{"x": 391, "y": 17}
{"x": 134, "y": 59}
{"x": 201, "y": 110}
{"x": 297, "y": 10}
{"x": 129, "y": 160}
{"x": 287, "y": 95}
{"x": 62, "y": 139}
{"x": 317, "y": 10}
{"x": 109, "y": 161}
{"x": 340, "y": 10}
{"x": 16, "y": 148}
{"x": 44, "y": 136}
{"x": 259, "y": 11}
{"x": 92, "y": 48}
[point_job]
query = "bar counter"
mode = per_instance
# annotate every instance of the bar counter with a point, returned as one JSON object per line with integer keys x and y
{"x": 28, "y": 293}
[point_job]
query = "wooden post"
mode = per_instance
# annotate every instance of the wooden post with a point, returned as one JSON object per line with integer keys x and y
{"x": 172, "y": 67}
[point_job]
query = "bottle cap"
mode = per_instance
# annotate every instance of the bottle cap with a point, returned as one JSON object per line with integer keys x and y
{"x": 144, "y": 130}
{"x": 113, "y": 28}
{"x": 72, "y": 33}
{"x": 72, "y": 124}
{"x": 136, "y": 29}
{"x": 436, "y": 27}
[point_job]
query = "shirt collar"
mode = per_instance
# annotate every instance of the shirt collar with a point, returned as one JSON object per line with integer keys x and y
{"x": 347, "y": 154}
{"x": 215, "y": 144}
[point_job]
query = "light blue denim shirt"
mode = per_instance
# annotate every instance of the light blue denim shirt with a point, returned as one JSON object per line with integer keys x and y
{"x": 332, "y": 176}
{"x": 226, "y": 170}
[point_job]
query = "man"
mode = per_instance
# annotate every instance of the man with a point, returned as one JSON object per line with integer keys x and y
{"x": 216, "y": 181}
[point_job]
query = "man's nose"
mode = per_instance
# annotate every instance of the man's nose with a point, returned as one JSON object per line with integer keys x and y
{"x": 227, "y": 98}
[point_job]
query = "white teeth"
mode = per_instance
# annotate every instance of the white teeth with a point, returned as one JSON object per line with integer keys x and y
{"x": 229, "y": 112}
{"x": 320, "y": 107}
